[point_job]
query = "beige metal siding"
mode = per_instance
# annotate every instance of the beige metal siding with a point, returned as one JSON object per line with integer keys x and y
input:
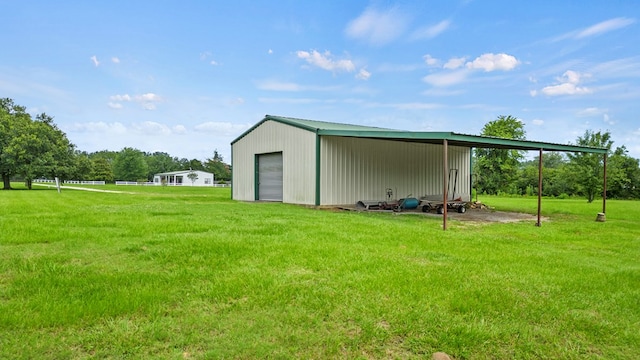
{"x": 354, "y": 169}
{"x": 298, "y": 161}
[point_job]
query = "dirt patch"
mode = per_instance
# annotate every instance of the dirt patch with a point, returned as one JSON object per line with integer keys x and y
{"x": 479, "y": 215}
{"x": 488, "y": 215}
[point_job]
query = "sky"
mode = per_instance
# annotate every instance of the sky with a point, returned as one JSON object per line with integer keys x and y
{"x": 188, "y": 77}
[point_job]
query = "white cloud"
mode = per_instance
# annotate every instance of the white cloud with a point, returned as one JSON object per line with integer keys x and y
{"x": 270, "y": 52}
{"x": 236, "y": 101}
{"x": 148, "y": 101}
{"x": 95, "y": 61}
{"x": 605, "y": 26}
{"x": 537, "y": 122}
{"x": 115, "y": 60}
{"x": 591, "y": 111}
{"x": 565, "y": 89}
{"x": 568, "y": 85}
{"x": 99, "y": 127}
{"x": 363, "y": 75}
{"x": 378, "y": 27}
{"x": 430, "y": 60}
{"x": 619, "y": 68}
{"x": 457, "y": 69}
{"x": 455, "y": 63}
{"x": 205, "y": 56}
{"x": 325, "y": 62}
{"x": 491, "y": 62}
{"x": 179, "y": 130}
{"x": 432, "y": 31}
{"x": 124, "y": 97}
{"x": 148, "y": 97}
{"x": 222, "y": 128}
{"x": 152, "y": 128}
{"x": 447, "y": 78}
{"x": 607, "y": 119}
{"x": 597, "y": 29}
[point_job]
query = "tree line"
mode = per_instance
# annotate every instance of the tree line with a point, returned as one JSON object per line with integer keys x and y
{"x": 130, "y": 164}
{"x": 34, "y": 147}
{"x": 506, "y": 172}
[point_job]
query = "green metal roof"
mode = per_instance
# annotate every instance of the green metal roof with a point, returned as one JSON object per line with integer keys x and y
{"x": 323, "y": 128}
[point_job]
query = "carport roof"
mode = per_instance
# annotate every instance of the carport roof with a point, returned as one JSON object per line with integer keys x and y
{"x": 323, "y": 128}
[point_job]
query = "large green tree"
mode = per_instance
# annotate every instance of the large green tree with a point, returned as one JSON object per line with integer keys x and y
{"x": 160, "y": 162}
{"x": 13, "y": 121}
{"x": 60, "y": 152}
{"x": 497, "y": 169}
{"x": 130, "y": 165}
{"x": 31, "y": 148}
{"x": 83, "y": 166}
{"x": 101, "y": 170}
{"x": 556, "y": 179}
{"x": 623, "y": 175}
{"x": 216, "y": 166}
{"x": 588, "y": 168}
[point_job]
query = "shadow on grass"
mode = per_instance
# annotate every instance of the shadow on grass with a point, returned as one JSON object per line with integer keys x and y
{"x": 35, "y": 188}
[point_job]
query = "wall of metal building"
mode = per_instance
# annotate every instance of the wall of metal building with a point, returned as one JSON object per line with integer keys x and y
{"x": 298, "y": 149}
{"x": 354, "y": 169}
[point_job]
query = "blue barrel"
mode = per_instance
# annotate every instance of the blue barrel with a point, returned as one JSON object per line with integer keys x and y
{"x": 409, "y": 203}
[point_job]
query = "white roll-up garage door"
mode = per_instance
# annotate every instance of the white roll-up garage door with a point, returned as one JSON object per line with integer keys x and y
{"x": 270, "y": 177}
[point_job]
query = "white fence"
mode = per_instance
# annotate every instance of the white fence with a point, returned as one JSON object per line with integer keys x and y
{"x": 87, "y": 182}
{"x": 84, "y": 182}
{"x": 81, "y": 182}
{"x": 134, "y": 183}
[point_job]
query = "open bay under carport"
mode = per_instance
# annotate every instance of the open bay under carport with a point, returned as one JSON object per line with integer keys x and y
{"x": 319, "y": 163}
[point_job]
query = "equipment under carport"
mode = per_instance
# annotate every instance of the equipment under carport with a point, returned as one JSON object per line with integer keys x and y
{"x": 430, "y": 202}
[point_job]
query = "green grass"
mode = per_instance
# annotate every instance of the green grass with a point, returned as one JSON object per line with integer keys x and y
{"x": 176, "y": 273}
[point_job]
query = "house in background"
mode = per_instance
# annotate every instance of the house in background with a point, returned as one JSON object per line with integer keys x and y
{"x": 181, "y": 178}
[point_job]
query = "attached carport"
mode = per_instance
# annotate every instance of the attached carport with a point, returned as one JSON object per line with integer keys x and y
{"x": 474, "y": 141}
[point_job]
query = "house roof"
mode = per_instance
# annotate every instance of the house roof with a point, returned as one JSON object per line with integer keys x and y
{"x": 323, "y": 128}
{"x": 179, "y": 172}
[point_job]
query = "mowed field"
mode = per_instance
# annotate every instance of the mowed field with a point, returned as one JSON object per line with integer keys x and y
{"x": 188, "y": 273}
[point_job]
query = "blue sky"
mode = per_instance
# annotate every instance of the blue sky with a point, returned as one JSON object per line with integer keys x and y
{"x": 187, "y": 77}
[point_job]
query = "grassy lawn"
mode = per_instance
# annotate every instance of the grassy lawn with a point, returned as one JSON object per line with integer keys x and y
{"x": 187, "y": 273}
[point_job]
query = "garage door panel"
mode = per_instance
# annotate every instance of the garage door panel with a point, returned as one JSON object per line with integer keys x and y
{"x": 270, "y": 177}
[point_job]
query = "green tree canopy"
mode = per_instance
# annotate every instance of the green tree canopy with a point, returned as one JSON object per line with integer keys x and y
{"x": 160, "y": 162}
{"x": 130, "y": 165}
{"x": 32, "y": 148}
{"x": 496, "y": 169}
{"x": 216, "y": 166}
{"x": 623, "y": 175}
{"x": 588, "y": 168}
{"x": 101, "y": 170}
